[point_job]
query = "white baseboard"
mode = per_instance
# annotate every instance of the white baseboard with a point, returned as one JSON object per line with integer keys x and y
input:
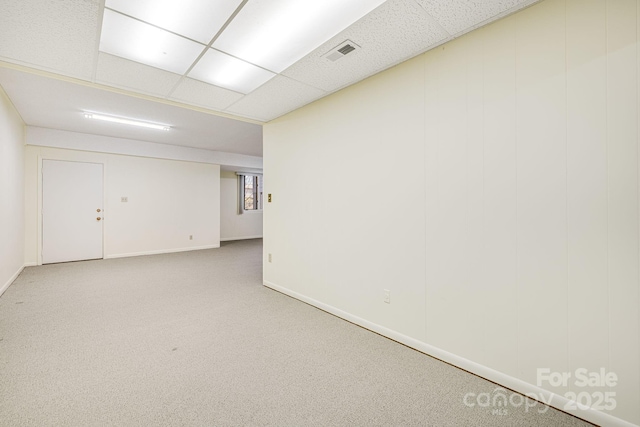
{"x": 507, "y": 381}
{"x": 31, "y": 264}
{"x": 228, "y": 239}
{"x": 12, "y": 279}
{"x": 162, "y": 251}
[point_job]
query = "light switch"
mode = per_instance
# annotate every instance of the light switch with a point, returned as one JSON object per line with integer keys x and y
{"x": 124, "y": 199}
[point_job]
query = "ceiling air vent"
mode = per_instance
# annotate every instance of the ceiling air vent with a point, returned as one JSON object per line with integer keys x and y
{"x": 341, "y": 50}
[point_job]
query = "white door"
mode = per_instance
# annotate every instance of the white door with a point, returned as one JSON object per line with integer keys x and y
{"x": 72, "y": 211}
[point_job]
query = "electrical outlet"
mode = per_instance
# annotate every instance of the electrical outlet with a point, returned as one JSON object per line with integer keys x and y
{"x": 387, "y": 296}
{"x": 269, "y": 257}
{"x": 190, "y": 236}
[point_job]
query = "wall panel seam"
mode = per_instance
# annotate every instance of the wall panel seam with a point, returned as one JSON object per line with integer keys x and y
{"x": 566, "y": 171}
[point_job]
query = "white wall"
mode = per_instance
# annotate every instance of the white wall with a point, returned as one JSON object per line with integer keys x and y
{"x": 492, "y": 186}
{"x": 167, "y": 201}
{"x": 11, "y": 192}
{"x": 234, "y": 226}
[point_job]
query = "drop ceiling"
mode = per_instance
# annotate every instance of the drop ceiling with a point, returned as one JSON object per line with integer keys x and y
{"x": 204, "y": 51}
{"x": 58, "y": 104}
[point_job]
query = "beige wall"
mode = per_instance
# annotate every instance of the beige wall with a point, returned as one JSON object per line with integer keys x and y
{"x": 491, "y": 185}
{"x": 11, "y": 192}
{"x": 234, "y": 226}
{"x": 167, "y": 202}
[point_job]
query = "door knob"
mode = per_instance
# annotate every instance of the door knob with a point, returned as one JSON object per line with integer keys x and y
{"x": 98, "y": 210}
{"x": 98, "y": 218}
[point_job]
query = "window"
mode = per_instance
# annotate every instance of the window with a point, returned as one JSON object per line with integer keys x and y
{"x": 251, "y": 193}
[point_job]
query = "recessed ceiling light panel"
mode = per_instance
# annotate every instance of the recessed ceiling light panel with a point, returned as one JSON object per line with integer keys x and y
{"x": 131, "y": 39}
{"x": 226, "y": 71}
{"x": 276, "y": 33}
{"x": 199, "y": 20}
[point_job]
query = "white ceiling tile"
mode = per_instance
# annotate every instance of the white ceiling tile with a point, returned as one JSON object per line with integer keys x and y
{"x": 276, "y": 33}
{"x": 396, "y": 31}
{"x": 58, "y": 104}
{"x": 459, "y": 16}
{"x": 204, "y": 95}
{"x": 131, "y": 39}
{"x": 277, "y": 97}
{"x": 232, "y": 73}
{"x": 122, "y": 73}
{"x": 58, "y": 36}
{"x": 197, "y": 19}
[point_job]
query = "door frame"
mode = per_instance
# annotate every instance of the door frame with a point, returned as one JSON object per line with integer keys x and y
{"x": 104, "y": 199}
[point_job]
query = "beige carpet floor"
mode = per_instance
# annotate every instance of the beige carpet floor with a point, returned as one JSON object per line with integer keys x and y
{"x": 195, "y": 339}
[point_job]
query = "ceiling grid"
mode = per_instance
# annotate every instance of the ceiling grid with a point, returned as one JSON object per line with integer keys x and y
{"x": 251, "y": 59}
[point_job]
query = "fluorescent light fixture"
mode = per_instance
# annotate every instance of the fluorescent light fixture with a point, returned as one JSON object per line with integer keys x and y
{"x": 226, "y": 71}
{"x": 125, "y": 121}
{"x": 131, "y": 39}
{"x": 276, "y": 33}
{"x": 199, "y": 20}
